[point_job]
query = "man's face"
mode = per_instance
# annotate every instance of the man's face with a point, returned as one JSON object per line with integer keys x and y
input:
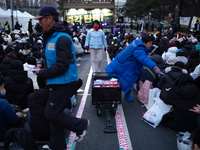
{"x": 148, "y": 45}
{"x": 46, "y": 22}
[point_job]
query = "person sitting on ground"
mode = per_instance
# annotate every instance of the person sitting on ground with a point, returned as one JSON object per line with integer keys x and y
{"x": 148, "y": 74}
{"x": 183, "y": 96}
{"x": 193, "y": 60}
{"x": 30, "y": 64}
{"x": 170, "y": 52}
{"x": 113, "y": 48}
{"x": 39, "y": 124}
{"x": 18, "y": 86}
{"x": 8, "y": 117}
{"x": 18, "y": 52}
{"x": 170, "y": 75}
{"x": 5, "y": 65}
{"x": 78, "y": 48}
{"x": 180, "y": 57}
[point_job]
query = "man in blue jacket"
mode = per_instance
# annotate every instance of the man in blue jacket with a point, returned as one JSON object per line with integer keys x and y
{"x": 95, "y": 40}
{"x": 61, "y": 74}
{"x": 128, "y": 63}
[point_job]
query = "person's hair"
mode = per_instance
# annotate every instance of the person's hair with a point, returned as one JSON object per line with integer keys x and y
{"x": 11, "y": 55}
{"x": 1, "y": 80}
{"x": 16, "y": 65}
{"x": 183, "y": 79}
{"x": 147, "y": 38}
{"x": 31, "y": 60}
{"x": 195, "y": 137}
{"x": 180, "y": 64}
{"x": 55, "y": 18}
{"x": 37, "y": 54}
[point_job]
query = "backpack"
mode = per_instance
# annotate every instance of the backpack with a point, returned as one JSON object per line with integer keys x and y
{"x": 143, "y": 93}
{"x": 20, "y": 139}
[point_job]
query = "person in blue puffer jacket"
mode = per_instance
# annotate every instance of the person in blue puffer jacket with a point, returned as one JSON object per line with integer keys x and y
{"x": 95, "y": 40}
{"x": 128, "y": 63}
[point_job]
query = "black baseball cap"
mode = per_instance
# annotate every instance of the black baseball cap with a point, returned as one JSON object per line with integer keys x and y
{"x": 47, "y": 11}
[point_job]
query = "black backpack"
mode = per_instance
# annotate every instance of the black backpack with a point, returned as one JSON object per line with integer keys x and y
{"x": 19, "y": 139}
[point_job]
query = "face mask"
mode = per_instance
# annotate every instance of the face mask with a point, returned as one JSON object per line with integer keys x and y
{"x": 96, "y": 28}
{"x": 3, "y": 92}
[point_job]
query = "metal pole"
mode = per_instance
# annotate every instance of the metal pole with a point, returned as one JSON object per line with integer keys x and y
{"x": 11, "y": 7}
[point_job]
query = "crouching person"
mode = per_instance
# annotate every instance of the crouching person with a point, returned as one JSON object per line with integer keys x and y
{"x": 8, "y": 117}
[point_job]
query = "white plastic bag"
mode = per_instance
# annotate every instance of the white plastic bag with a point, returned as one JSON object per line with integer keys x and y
{"x": 154, "y": 115}
{"x": 183, "y": 141}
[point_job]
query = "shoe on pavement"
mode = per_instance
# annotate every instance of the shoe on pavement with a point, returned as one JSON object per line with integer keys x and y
{"x": 81, "y": 136}
{"x": 128, "y": 98}
{"x": 46, "y": 147}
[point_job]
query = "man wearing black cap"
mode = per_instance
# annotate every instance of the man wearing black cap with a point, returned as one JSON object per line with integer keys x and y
{"x": 61, "y": 74}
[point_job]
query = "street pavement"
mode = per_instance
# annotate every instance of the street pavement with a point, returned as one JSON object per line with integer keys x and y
{"x": 142, "y": 136}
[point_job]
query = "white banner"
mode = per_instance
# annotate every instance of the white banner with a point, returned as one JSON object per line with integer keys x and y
{"x": 185, "y": 21}
{"x": 194, "y": 19}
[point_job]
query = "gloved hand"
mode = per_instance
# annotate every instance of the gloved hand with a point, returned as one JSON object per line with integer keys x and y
{"x": 157, "y": 70}
{"x": 86, "y": 47}
{"x": 104, "y": 48}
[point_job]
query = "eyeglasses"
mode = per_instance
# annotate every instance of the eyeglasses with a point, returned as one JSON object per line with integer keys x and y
{"x": 43, "y": 17}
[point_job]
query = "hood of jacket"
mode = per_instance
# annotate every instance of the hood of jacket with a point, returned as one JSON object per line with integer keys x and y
{"x": 18, "y": 75}
{"x": 172, "y": 50}
{"x": 163, "y": 41}
{"x": 157, "y": 59}
{"x": 194, "y": 54}
{"x": 188, "y": 47}
{"x": 175, "y": 71}
{"x": 7, "y": 60}
{"x": 182, "y": 59}
{"x": 187, "y": 91}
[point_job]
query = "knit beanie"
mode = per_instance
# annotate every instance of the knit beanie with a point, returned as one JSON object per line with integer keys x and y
{"x": 171, "y": 44}
{"x": 171, "y": 60}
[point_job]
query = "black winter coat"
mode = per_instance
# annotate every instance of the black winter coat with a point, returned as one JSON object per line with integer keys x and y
{"x": 5, "y": 66}
{"x": 18, "y": 86}
{"x": 171, "y": 74}
{"x": 39, "y": 125}
{"x": 182, "y": 99}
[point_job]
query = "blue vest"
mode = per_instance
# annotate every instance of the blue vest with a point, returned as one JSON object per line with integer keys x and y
{"x": 71, "y": 74}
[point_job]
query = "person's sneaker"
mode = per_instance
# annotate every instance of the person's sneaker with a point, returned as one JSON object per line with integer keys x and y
{"x": 81, "y": 136}
{"x": 46, "y": 147}
{"x": 128, "y": 98}
{"x": 78, "y": 59}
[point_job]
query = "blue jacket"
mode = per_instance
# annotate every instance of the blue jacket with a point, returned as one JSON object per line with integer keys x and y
{"x": 60, "y": 69}
{"x": 95, "y": 39}
{"x": 129, "y": 62}
{"x": 8, "y": 117}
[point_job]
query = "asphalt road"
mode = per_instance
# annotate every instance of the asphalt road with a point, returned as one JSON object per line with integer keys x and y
{"x": 142, "y": 136}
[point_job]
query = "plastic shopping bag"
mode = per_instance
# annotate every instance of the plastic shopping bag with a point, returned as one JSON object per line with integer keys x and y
{"x": 154, "y": 115}
{"x": 183, "y": 141}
